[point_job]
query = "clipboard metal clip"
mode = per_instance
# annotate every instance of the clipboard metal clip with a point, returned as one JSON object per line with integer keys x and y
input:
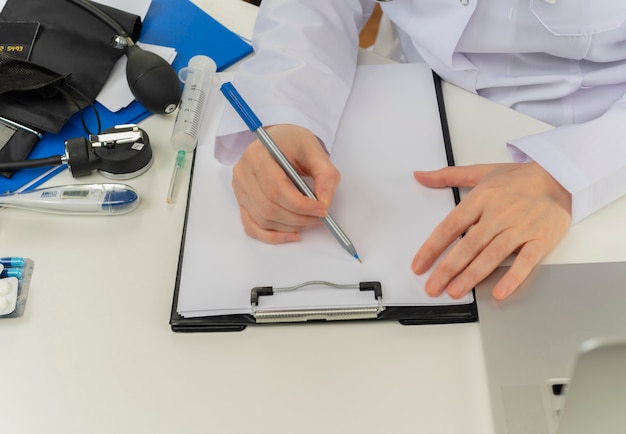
{"x": 321, "y": 314}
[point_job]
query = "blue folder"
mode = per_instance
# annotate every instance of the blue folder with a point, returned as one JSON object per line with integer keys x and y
{"x": 172, "y": 23}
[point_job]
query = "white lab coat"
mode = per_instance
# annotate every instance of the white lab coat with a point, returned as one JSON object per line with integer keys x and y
{"x": 561, "y": 61}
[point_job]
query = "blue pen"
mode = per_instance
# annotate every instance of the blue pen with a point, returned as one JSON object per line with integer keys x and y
{"x": 255, "y": 125}
{"x": 12, "y": 261}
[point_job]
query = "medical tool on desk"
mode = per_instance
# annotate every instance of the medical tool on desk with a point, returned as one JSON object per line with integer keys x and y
{"x": 150, "y": 78}
{"x": 198, "y": 77}
{"x": 83, "y": 199}
{"x": 15, "y": 276}
{"x": 120, "y": 152}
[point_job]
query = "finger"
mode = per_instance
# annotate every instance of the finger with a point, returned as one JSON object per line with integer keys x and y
{"x": 255, "y": 231}
{"x": 269, "y": 216}
{"x": 325, "y": 175}
{"x": 276, "y": 186}
{"x": 527, "y": 258}
{"x": 260, "y": 176}
{"x": 279, "y": 191}
{"x": 454, "y": 270}
{"x": 464, "y": 215}
{"x": 309, "y": 158}
{"x": 453, "y": 176}
{"x": 483, "y": 264}
{"x": 263, "y": 210}
{"x": 325, "y": 185}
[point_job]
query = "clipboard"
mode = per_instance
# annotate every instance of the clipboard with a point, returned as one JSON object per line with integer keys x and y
{"x": 205, "y": 277}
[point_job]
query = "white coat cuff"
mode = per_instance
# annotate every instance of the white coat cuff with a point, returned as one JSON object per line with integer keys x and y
{"x": 526, "y": 150}
{"x": 588, "y": 160}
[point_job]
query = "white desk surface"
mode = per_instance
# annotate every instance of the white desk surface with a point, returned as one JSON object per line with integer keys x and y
{"x": 94, "y": 352}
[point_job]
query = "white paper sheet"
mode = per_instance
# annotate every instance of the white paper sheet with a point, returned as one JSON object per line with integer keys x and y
{"x": 390, "y": 127}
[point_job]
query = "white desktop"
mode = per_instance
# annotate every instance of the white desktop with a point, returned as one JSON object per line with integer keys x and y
{"x": 94, "y": 352}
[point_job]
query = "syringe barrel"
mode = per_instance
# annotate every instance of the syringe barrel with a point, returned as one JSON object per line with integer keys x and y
{"x": 198, "y": 77}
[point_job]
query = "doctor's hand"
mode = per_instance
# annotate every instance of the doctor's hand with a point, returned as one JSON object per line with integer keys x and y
{"x": 271, "y": 207}
{"x": 511, "y": 208}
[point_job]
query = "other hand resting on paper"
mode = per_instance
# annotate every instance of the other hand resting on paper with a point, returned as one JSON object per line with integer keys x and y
{"x": 511, "y": 208}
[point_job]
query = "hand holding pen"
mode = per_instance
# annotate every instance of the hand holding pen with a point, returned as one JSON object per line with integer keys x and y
{"x": 271, "y": 209}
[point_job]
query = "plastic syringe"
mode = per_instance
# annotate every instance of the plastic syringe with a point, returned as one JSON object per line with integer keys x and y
{"x": 198, "y": 77}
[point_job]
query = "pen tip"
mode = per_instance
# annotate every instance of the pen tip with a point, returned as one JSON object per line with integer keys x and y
{"x": 358, "y": 259}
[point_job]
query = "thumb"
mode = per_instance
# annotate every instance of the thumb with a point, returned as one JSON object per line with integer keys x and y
{"x": 325, "y": 178}
{"x": 453, "y": 176}
{"x": 325, "y": 183}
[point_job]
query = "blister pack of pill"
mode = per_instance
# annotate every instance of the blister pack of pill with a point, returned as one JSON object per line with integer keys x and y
{"x": 15, "y": 277}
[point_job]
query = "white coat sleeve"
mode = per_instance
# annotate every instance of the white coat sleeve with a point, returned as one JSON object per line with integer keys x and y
{"x": 301, "y": 72}
{"x": 587, "y": 159}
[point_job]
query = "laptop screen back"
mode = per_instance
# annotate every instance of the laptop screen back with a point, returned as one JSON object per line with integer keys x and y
{"x": 531, "y": 340}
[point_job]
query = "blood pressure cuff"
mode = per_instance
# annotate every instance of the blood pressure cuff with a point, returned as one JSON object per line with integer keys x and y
{"x": 24, "y": 79}
{"x": 69, "y": 63}
{"x": 71, "y": 41}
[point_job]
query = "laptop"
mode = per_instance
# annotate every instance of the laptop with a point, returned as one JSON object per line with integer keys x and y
{"x": 555, "y": 351}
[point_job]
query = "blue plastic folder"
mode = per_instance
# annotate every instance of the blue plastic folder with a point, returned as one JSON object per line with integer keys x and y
{"x": 172, "y": 23}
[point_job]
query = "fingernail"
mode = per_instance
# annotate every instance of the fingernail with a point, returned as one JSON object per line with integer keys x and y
{"x": 456, "y": 290}
{"x": 292, "y": 237}
{"x": 418, "y": 266}
{"x": 501, "y": 292}
{"x": 433, "y": 288}
{"x": 321, "y": 214}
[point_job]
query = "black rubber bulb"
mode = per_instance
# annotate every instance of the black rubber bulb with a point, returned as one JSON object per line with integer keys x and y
{"x": 152, "y": 81}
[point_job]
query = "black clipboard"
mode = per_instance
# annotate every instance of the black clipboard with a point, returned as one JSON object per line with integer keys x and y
{"x": 405, "y": 315}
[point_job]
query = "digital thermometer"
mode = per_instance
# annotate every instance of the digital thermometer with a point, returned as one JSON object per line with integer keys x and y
{"x": 84, "y": 199}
